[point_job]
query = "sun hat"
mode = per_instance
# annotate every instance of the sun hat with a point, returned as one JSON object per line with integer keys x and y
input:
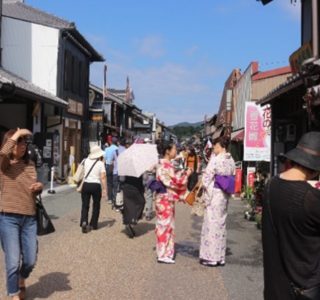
{"x": 307, "y": 152}
{"x": 95, "y": 152}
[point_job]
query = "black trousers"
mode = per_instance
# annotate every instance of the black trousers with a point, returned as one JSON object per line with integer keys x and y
{"x": 90, "y": 190}
{"x": 110, "y": 182}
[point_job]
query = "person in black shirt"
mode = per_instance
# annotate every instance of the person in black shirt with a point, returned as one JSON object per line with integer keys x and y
{"x": 291, "y": 225}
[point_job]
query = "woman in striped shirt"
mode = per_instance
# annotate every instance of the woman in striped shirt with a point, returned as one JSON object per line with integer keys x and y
{"x": 18, "y": 226}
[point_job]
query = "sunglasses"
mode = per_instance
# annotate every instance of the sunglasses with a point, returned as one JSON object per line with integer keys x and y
{"x": 21, "y": 140}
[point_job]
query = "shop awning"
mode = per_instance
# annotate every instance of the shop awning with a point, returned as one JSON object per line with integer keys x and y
{"x": 217, "y": 133}
{"x": 237, "y": 136}
{"x": 292, "y": 83}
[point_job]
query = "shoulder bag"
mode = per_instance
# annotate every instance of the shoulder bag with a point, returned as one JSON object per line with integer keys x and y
{"x": 78, "y": 176}
{"x": 299, "y": 293}
{"x": 79, "y": 188}
{"x": 44, "y": 223}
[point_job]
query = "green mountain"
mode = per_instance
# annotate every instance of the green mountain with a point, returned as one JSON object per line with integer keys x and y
{"x": 187, "y": 124}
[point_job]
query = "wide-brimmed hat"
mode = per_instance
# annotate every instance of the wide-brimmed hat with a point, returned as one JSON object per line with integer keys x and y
{"x": 95, "y": 152}
{"x": 307, "y": 152}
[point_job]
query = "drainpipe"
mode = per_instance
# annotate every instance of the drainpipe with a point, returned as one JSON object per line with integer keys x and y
{"x": 315, "y": 38}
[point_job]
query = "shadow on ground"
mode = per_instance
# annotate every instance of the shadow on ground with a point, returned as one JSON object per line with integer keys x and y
{"x": 107, "y": 223}
{"x": 142, "y": 229}
{"x": 48, "y": 285}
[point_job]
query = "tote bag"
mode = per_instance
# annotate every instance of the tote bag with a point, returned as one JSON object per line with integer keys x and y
{"x": 44, "y": 223}
{"x": 79, "y": 175}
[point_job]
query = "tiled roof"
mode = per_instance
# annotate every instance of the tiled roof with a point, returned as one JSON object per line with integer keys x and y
{"x": 291, "y": 83}
{"x": 30, "y": 88}
{"x": 21, "y": 11}
{"x": 272, "y": 73}
{"x": 25, "y": 12}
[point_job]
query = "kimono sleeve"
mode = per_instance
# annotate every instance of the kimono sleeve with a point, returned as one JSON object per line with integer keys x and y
{"x": 171, "y": 179}
{"x": 208, "y": 175}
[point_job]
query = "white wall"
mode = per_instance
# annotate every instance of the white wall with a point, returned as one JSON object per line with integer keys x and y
{"x": 31, "y": 52}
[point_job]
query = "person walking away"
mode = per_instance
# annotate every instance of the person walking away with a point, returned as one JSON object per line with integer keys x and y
{"x": 94, "y": 187}
{"x": 291, "y": 226}
{"x": 118, "y": 180}
{"x": 147, "y": 177}
{"x": 133, "y": 203}
{"x": 174, "y": 189}
{"x": 214, "y": 233}
{"x": 109, "y": 155}
{"x": 18, "y": 225}
{"x": 193, "y": 164}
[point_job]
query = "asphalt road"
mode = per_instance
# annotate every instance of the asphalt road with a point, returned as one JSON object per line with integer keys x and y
{"x": 105, "y": 264}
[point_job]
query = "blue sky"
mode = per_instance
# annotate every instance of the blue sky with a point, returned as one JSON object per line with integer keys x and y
{"x": 178, "y": 53}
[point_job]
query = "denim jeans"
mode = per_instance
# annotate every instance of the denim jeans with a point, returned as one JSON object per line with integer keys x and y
{"x": 18, "y": 234}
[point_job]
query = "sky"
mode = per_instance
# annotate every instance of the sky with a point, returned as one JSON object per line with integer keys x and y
{"x": 179, "y": 53}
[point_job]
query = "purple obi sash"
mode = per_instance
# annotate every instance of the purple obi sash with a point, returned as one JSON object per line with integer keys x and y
{"x": 225, "y": 183}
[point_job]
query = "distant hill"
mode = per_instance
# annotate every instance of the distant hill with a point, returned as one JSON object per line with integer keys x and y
{"x": 187, "y": 124}
{"x": 186, "y": 129}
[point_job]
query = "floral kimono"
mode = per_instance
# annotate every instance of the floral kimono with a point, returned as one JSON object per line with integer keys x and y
{"x": 176, "y": 188}
{"x": 214, "y": 235}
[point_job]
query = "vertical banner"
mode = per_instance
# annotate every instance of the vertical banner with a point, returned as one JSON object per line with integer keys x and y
{"x": 257, "y": 141}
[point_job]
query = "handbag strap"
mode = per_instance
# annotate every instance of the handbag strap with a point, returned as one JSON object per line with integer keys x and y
{"x": 91, "y": 169}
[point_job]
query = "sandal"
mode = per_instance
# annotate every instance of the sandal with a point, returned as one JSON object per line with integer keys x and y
{"x": 22, "y": 294}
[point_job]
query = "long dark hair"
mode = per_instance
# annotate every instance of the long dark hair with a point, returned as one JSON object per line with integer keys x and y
{"x": 7, "y": 136}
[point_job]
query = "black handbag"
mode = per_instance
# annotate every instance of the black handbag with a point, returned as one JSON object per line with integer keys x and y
{"x": 44, "y": 223}
{"x": 312, "y": 293}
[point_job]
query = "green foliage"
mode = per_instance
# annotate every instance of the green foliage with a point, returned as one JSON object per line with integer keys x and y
{"x": 185, "y": 131}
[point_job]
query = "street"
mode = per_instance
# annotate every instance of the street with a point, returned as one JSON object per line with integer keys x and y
{"x": 105, "y": 264}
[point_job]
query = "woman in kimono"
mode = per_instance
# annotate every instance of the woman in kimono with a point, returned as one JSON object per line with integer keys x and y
{"x": 214, "y": 235}
{"x": 174, "y": 188}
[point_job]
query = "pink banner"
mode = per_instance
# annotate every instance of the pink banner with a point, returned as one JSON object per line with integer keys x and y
{"x": 257, "y": 133}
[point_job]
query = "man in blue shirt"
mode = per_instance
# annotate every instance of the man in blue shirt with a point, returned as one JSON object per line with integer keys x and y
{"x": 110, "y": 154}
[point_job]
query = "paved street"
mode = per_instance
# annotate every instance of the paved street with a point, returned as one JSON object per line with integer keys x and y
{"x": 105, "y": 264}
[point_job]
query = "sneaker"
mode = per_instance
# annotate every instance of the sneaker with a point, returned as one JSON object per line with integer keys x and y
{"x": 84, "y": 227}
{"x": 166, "y": 260}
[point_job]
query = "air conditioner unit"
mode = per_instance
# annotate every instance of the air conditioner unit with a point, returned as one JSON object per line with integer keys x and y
{"x": 291, "y": 133}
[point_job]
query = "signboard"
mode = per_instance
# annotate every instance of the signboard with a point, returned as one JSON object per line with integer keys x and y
{"x": 257, "y": 140}
{"x": 75, "y": 107}
{"x": 298, "y": 57}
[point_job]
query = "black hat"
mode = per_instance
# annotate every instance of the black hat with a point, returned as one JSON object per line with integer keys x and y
{"x": 307, "y": 152}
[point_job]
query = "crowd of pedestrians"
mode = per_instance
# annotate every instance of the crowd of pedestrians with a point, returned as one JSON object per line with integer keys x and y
{"x": 291, "y": 213}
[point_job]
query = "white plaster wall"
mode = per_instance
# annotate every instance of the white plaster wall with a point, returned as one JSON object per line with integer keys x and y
{"x": 31, "y": 52}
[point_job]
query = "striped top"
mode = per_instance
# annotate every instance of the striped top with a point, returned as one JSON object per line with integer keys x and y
{"x": 16, "y": 177}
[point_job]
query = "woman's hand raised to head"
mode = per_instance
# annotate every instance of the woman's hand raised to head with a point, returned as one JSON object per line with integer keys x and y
{"x": 20, "y": 133}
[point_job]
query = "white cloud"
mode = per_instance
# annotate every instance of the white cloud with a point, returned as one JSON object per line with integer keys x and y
{"x": 175, "y": 92}
{"x": 151, "y": 46}
{"x": 192, "y": 50}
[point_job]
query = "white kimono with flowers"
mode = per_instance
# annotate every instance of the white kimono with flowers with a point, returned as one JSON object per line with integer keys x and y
{"x": 213, "y": 234}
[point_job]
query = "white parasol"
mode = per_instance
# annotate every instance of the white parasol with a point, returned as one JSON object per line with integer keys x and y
{"x": 137, "y": 159}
